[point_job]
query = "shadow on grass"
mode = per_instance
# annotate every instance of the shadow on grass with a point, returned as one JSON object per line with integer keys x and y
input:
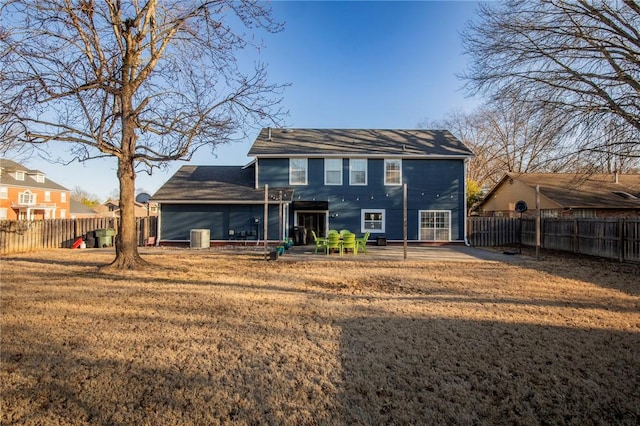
{"x": 447, "y": 371}
{"x": 387, "y": 370}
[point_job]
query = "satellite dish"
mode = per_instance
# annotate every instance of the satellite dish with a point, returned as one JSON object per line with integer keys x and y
{"x": 143, "y": 198}
{"x": 521, "y": 206}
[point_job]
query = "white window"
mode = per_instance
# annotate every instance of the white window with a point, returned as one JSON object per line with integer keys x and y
{"x": 3, "y": 214}
{"x": 549, "y": 214}
{"x": 333, "y": 171}
{"x": 584, "y": 214}
{"x": 18, "y": 175}
{"x": 372, "y": 220}
{"x": 63, "y": 214}
{"x": 39, "y": 178}
{"x": 47, "y": 195}
{"x": 435, "y": 225}
{"x": 63, "y": 197}
{"x": 297, "y": 171}
{"x": 27, "y": 198}
{"x": 393, "y": 171}
{"x": 4, "y": 192}
{"x": 358, "y": 171}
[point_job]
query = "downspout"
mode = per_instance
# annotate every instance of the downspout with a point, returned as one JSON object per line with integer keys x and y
{"x": 158, "y": 227}
{"x": 466, "y": 219}
{"x": 257, "y": 180}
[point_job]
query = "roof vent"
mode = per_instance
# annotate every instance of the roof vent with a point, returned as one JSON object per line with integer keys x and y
{"x": 269, "y": 134}
{"x": 287, "y": 130}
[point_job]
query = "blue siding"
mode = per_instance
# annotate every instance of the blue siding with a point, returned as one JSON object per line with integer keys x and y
{"x": 432, "y": 184}
{"x": 179, "y": 219}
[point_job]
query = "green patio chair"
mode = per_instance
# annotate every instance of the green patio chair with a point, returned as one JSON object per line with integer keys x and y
{"x": 333, "y": 243}
{"x": 349, "y": 243}
{"x": 344, "y": 231}
{"x": 320, "y": 242}
{"x": 362, "y": 242}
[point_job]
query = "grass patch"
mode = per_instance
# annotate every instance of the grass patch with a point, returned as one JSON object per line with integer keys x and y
{"x": 217, "y": 337}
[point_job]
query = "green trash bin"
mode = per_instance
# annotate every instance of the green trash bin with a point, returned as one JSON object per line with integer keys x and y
{"x": 104, "y": 237}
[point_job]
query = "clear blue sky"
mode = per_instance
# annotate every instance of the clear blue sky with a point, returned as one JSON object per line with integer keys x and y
{"x": 350, "y": 65}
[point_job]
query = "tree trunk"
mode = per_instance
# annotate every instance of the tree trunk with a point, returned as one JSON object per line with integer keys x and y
{"x": 127, "y": 256}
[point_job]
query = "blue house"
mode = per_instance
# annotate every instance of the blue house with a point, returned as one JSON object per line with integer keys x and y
{"x": 321, "y": 179}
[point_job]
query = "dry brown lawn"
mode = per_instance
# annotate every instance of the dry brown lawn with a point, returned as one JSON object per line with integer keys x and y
{"x": 223, "y": 337}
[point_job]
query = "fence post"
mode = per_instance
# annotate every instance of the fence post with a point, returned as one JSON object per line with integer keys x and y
{"x": 621, "y": 240}
{"x": 538, "y": 217}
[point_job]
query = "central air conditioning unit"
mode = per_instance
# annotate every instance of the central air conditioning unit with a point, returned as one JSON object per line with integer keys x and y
{"x": 199, "y": 238}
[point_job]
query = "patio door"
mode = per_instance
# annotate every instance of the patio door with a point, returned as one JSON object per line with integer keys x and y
{"x": 312, "y": 221}
{"x": 435, "y": 225}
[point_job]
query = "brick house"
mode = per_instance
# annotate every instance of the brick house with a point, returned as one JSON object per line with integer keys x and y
{"x": 27, "y": 194}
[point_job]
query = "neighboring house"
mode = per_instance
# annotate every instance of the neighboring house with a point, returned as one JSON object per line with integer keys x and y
{"x": 321, "y": 179}
{"x": 27, "y": 194}
{"x": 82, "y": 211}
{"x": 112, "y": 209}
{"x": 565, "y": 195}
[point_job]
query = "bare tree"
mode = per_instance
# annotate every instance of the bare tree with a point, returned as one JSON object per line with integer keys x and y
{"x": 580, "y": 58}
{"x": 144, "y": 81}
{"x": 84, "y": 197}
{"x": 506, "y": 137}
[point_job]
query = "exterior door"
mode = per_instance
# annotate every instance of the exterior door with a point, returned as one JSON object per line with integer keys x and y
{"x": 312, "y": 221}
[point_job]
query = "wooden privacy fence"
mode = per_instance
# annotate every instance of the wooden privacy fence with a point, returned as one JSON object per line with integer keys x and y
{"x": 610, "y": 238}
{"x": 23, "y": 235}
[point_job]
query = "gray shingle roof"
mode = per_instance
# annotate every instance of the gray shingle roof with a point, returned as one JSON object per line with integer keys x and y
{"x": 584, "y": 190}
{"x": 212, "y": 184}
{"x": 8, "y": 166}
{"x": 77, "y": 207}
{"x": 357, "y": 142}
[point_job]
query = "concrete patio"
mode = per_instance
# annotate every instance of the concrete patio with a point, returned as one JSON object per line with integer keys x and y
{"x": 449, "y": 252}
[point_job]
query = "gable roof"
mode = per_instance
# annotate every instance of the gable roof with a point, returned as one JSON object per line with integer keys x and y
{"x": 8, "y": 166}
{"x": 357, "y": 142}
{"x": 571, "y": 190}
{"x": 207, "y": 184}
{"x": 76, "y": 207}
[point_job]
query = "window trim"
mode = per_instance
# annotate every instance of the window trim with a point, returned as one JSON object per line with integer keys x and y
{"x": 422, "y": 237}
{"x": 386, "y": 182}
{"x": 339, "y": 169}
{"x": 366, "y": 172}
{"x": 47, "y": 196}
{"x": 306, "y": 171}
{"x": 4, "y": 192}
{"x": 63, "y": 197}
{"x": 31, "y": 195}
{"x": 383, "y": 221}
{"x": 4, "y": 213}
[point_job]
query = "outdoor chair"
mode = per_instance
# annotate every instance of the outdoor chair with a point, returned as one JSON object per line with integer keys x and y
{"x": 349, "y": 243}
{"x": 344, "y": 231}
{"x": 333, "y": 243}
{"x": 320, "y": 242}
{"x": 362, "y": 242}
